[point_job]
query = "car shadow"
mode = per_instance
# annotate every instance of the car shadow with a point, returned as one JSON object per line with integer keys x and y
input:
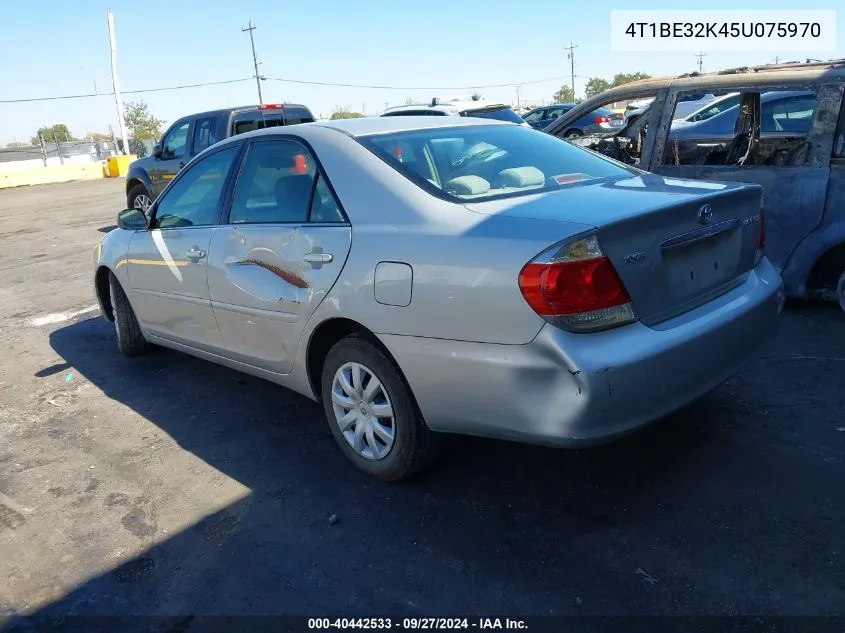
{"x": 491, "y": 526}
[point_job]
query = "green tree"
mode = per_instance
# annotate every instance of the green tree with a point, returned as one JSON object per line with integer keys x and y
{"x": 564, "y": 95}
{"x": 344, "y": 113}
{"x": 476, "y": 96}
{"x": 53, "y": 133}
{"x": 624, "y": 78}
{"x": 596, "y": 85}
{"x": 140, "y": 124}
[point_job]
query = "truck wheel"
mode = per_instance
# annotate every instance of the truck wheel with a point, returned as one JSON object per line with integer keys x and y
{"x": 139, "y": 198}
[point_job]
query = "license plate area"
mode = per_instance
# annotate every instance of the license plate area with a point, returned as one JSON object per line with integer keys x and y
{"x": 701, "y": 266}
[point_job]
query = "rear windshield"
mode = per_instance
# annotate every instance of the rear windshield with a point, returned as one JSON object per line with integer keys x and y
{"x": 490, "y": 161}
{"x": 260, "y": 119}
{"x": 498, "y": 113}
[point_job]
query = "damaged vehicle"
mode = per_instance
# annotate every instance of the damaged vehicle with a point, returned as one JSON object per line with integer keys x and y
{"x": 781, "y": 126}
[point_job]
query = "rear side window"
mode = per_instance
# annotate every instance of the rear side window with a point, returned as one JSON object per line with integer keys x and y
{"x": 499, "y": 114}
{"x": 205, "y": 134}
{"x": 788, "y": 115}
{"x": 279, "y": 183}
{"x": 260, "y": 119}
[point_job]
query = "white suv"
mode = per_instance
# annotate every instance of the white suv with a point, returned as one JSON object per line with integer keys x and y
{"x": 474, "y": 108}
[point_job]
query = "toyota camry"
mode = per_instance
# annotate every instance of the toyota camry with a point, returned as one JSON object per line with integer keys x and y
{"x": 425, "y": 275}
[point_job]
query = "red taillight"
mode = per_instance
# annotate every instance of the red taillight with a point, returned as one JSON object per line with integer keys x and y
{"x": 272, "y": 106}
{"x": 576, "y": 287}
{"x": 603, "y": 119}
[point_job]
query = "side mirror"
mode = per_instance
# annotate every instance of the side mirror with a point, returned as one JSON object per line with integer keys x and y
{"x": 132, "y": 220}
{"x": 157, "y": 150}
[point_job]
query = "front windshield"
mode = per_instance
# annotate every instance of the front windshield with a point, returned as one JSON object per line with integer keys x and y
{"x": 489, "y": 161}
{"x": 498, "y": 113}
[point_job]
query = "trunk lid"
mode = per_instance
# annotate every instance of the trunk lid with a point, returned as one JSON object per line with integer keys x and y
{"x": 674, "y": 243}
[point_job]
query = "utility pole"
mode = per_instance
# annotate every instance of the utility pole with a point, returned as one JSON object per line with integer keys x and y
{"x": 777, "y": 59}
{"x": 121, "y": 118}
{"x": 251, "y": 28}
{"x": 517, "y": 97}
{"x": 571, "y": 56}
{"x": 701, "y": 57}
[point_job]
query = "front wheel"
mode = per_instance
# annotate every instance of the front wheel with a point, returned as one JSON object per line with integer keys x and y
{"x": 139, "y": 198}
{"x": 371, "y": 412}
{"x": 573, "y": 134}
{"x": 130, "y": 339}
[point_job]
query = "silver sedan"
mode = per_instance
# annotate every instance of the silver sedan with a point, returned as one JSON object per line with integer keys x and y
{"x": 421, "y": 275}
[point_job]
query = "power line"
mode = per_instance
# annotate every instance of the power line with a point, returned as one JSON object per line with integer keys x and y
{"x": 127, "y": 92}
{"x": 380, "y": 87}
{"x": 701, "y": 57}
{"x": 286, "y": 80}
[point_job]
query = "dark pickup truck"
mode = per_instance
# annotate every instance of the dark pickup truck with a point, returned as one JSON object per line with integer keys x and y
{"x": 188, "y": 136}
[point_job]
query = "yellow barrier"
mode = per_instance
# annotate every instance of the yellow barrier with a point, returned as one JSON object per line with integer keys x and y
{"x": 47, "y": 175}
{"x": 119, "y": 165}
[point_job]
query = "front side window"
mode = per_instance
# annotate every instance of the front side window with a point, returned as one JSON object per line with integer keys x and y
{"x": 275, "y": 184}
{"x": 174, "y": 145}
{"x": 205, "y": 134}
{"x": 193, "y": 200}
{"x": 489, "y": 161}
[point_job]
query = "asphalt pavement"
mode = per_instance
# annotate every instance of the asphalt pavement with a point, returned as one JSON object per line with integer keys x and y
{"x": 166, "y": 485}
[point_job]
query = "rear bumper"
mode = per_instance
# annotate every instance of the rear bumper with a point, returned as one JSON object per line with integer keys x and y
{"x": 569, "y": 389}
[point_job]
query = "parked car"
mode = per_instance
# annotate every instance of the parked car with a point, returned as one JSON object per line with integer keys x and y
{"x": 784, "y": 114}
{"x": 466, "y": 302}
{"x": 689, "y": 104}
{"x": 597, "y": 121}
{"x": 190, "y": 135}
{"x": 791, "y": 144}
{"x": 478, "y": 108}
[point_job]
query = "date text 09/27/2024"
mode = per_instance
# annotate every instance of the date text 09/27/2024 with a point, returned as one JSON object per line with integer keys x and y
{"x": 412, "y": 624}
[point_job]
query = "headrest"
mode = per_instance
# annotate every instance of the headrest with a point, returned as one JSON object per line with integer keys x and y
{"x": 521, "y": 177}
{"x": 467, "y": 186}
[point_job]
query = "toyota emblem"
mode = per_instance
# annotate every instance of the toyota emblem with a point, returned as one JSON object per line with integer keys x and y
{"x": 705, "y": 214}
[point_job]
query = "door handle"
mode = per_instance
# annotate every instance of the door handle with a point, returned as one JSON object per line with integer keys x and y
{"x": 194, "y": 254}
{"x": 318, "y": 258}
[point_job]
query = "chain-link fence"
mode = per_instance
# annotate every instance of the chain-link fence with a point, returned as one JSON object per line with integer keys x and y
{"x": 58, "y": 153}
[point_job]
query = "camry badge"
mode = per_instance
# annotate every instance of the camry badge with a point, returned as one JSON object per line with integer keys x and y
{"x": 705, "y": 214}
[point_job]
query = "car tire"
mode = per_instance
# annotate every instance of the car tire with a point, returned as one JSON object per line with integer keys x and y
{"x": 573, "y": 134}
{"x": 840, "y": 290}
{"x": 130, "y": 339}
{"x": 413, "y": 445}
{"x": 138, "y": 195}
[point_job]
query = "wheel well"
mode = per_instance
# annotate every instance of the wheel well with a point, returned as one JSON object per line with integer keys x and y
{"x": 827, "y": 269}
{"x": 323, "y": 339}
{"x": 132, "y": 183}
{"x": 101, "y": 283}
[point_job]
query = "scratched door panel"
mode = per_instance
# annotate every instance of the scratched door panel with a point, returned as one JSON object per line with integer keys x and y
{"x": 263, "y": 289}
{"x": 169, "y": 290}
